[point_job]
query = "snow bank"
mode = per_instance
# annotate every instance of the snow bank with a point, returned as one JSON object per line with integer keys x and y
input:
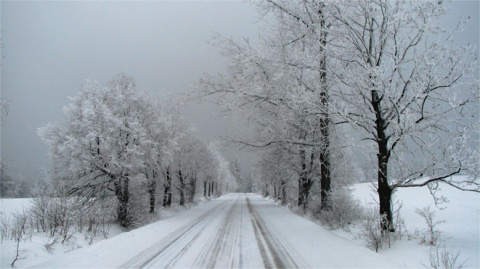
{"x": 460, "y": 232}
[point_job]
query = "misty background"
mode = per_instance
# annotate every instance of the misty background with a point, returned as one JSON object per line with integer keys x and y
{"x": 49, "y": 49}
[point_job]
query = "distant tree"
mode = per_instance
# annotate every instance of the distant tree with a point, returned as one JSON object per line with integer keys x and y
{"x": 408, "y": 90}
{"x": 235, "y": 169}
{"x": 167, "y": 187}
{"x": 4, "y": 109}
{"x": 22, "y": 188}
{"x": 277, "y": 168}
{"x": 221, "y": 177}
{"x": 211, "y": 166}
{"x": 7, "y": 185}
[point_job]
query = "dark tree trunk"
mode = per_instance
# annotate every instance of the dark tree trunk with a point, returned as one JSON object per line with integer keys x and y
{"x": 209, "y": 188}
{"x": 123, "y": 199}
{"x": 182, "y": 187}
{"x": 325, "y": 179}
{"x": 192, "y": 188}
{"x": 303, "y": 186}
{"x": 167, "y": 193}
{"x": 384, "y": 189}
{"x": 383, "y": 155}
{"x": 205, "y": 188}
{"x": 385, "y": 197}
{"x": 152, "y": 188}
{"x": 325, "y": 175}
{"x": 275, "y": 191}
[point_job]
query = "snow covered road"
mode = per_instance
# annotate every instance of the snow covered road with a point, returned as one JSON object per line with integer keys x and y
{"x": 233, "y": 231}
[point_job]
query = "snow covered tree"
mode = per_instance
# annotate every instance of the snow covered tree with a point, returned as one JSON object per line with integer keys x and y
{"x": 161, "y": 130}
{"x": 177, "y": 130}
{"x": 277, "y": 168}
{"x": 7, "y": 184}
{"x": 223, "y": 179}
{"x": 235, "y": 169}
{"x": 210, "y": 167}
{"x": 98, "y": 150}
{"x": 282, "y": 86}
{"x": 409, "y": 90}
{"x": 303, "y": 27}
{"x": 4, "y": 180}
{"x": 4, "y": 107}
{"x": 186, "y": 164}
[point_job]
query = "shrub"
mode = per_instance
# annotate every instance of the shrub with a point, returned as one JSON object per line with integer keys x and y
{"x": 344, "y": 209}
{"x": 440, "y": 257}
{"x": 371, "y": 230}
{"x": 20, "y": 231}
{"x": 433, "y": 232}
{"x": 61, "y": 216}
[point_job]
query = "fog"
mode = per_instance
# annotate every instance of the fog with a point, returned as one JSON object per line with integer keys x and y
{"x": 50, "y": 48}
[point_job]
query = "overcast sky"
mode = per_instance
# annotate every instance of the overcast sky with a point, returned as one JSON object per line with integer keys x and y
{"x": 50, "y": 48}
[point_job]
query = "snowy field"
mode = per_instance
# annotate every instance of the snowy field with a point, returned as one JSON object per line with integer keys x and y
{"x": 35, "y": 249}
{"x": 234, "y": 229}
{"x": 458, "y": 233}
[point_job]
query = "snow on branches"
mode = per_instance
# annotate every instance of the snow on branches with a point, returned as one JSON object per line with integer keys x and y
{"x": 116, "y": 141}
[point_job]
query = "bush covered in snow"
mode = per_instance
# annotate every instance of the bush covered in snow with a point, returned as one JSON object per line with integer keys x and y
{"x": 344, "y": 209}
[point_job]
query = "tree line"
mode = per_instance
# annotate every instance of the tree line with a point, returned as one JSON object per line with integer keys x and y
{"x": 116, "y": 141}
{"x": 336, "y": 86}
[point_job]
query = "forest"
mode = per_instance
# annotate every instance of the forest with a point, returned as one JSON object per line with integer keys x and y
{"x": 335, "y": 92}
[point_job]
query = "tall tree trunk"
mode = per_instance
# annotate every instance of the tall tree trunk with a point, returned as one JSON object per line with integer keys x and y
{"x": 152, "y": 189}
{"x": 275, "y": 191}
{"x": 123, "y": 196}
{"x": 325, "y": 174}
{"x": 303, "y": 186}
{"x": 192, "y": 188}
{"x": 384, "y": 190}
{"x": 205, "y": 187}
{"x": 209, "y": 188}
{"x": 182, "y": 187}
{"x": 325, "y": 178}
{"x": 167, "y": 193}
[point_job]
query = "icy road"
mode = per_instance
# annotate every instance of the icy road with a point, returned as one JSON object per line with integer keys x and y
{"x": 233, "y": 231}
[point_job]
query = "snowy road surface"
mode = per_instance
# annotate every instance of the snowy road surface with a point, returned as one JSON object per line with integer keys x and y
{"x": 233, "y": 231}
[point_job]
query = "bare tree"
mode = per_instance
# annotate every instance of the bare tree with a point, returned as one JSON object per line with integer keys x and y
{"x": 408, "y": 91}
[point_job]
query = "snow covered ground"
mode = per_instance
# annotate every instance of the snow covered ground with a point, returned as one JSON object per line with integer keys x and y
{"x": 458, "y": 233}
{"x": 235, "y": 230}
{"x": 238, "y": 230}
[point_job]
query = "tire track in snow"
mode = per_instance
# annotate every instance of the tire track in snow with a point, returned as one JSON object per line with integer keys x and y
{"x": 274, "y": 253}
{"x": 224, "y": 242}
{"x": 186, "y": 235}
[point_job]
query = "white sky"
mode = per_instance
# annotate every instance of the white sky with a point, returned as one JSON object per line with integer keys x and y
{"x": 50, "y": 48}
